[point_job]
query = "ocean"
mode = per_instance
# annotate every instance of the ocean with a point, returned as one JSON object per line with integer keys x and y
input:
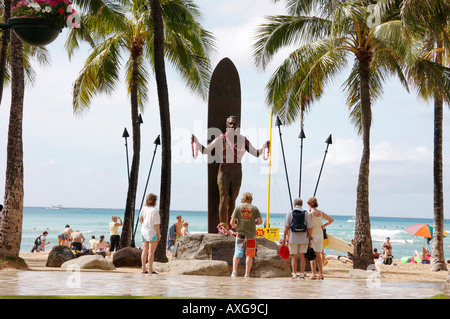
{"x": 94, "y": 222}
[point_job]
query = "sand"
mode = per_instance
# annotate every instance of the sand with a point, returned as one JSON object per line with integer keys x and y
{"x": 334, "y": 270}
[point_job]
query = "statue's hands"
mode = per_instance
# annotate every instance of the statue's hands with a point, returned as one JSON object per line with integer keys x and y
{"x": 194, "y": 139}
{"x": 267, "y": 144}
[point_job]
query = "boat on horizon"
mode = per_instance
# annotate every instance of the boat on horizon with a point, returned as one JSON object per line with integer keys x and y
{"x": 55, "y": 207}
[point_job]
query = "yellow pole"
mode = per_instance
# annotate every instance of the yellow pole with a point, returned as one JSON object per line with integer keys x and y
{"x": 270, "y": 165}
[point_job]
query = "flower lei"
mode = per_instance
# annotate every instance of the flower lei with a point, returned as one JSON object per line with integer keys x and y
{"x": 223, "y": 230}
{"x": 237, "y": 152}
{"x": 265, "y": 148}
{"x": 194, "y": 152}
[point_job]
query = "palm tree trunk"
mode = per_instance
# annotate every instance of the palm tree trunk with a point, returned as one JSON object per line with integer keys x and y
{"x": 437, "y": 258}
{"x": 166, "y": 157}
{"x": 6, "y": 34}
{"x": 127, "y": 228}
{"x": 363, "y": 239}
{"x": 11, "y": 226}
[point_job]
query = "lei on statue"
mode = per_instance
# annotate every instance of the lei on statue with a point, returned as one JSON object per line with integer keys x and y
{"x": 223, "y": 230}
{"x": 238, "y": 152}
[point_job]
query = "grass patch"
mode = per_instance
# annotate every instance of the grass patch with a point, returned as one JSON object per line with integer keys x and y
{"x": 85, "y": 297}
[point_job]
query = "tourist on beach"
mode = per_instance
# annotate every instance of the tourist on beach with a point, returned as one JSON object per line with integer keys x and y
{"x": 245, "y": 217}
{"x": 101, "y": 247}
{"x": 317, "y": 235}
{"x": 387, "y": 247}
{"x": 150, "y": 231}
{"x": 77, "y": 241}
{"x": 114, "y": 233}
{"x": 298, "y": 240}
{"x": 64, "y": 236}
{"x": 39, "y": 243}
{"x": 92, "y": 243}
{"x": 229, "y": 148}
{"x": 376, "y": 254}
{"x": 178, "y": 225}
{"x": 184, "y": 230}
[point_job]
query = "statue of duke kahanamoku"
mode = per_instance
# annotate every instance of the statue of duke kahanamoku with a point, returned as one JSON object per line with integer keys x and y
{"x": 229, "y": 148}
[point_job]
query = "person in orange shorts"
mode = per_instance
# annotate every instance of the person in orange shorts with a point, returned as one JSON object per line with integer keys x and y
{"x": 245, "y": 217}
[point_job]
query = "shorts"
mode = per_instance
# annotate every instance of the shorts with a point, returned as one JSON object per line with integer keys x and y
{"x": 295, "y": 249}
{"x": 155, "y": 238}
{"x": 77, "y": 246}
{"x": 317, "y": 243}
{"x": 245, "y": 243}
{"x": 63, "y": 236}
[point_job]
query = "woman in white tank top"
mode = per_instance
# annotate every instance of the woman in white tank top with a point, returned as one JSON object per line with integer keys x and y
{"x": 317, "y": 235}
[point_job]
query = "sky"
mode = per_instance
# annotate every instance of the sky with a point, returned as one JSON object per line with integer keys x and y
{"x": 80, "y": 160}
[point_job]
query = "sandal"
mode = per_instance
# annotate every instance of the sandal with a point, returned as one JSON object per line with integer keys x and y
{"x": 302, "y": 276}
{"x": 295, "y": 276}
{"x": 321, "y": 277}
{"x": 313, "y": 277}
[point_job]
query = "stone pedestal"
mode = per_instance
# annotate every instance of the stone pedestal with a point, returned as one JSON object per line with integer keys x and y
{"x": 217, "y": 247}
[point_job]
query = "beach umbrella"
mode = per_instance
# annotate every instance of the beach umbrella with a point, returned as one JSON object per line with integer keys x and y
{"x": 422, "y": 230}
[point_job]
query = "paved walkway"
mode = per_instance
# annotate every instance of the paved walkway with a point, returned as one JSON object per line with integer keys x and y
{"x": 95, "y": 283}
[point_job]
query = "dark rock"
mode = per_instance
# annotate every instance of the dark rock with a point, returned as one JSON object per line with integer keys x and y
{"x": 127, "y": 257}
{"x": 59, "y": 255}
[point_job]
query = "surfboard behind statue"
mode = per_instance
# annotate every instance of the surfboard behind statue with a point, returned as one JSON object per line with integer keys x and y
{"x": 224, "y": 100}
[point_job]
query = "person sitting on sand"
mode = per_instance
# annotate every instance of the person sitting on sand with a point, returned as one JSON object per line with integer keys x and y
{"x": 101, "y": 246}
{"x": 64, "y": 236}
{"x": 376, "y": 254}
{"x": 92, "y": 243}
{"x": 387, "y": 247}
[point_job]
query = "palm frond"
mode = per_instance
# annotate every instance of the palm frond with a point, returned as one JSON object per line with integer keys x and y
{"x": 100, "y": 73}
{"x": 282, "y": 31}
{"x": 142, "y": 77}
{"x": 301, "y": 78}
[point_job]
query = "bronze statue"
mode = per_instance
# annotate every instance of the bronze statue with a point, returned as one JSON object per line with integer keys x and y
{"x": 229, "y": 148}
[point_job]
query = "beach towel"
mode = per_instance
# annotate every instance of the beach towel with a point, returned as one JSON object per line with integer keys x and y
{"x": 171, "y": 237}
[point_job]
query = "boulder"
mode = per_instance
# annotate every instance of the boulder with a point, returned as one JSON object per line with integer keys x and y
{"x": 89, "y": 262}
{"x": 128, "y": 257}
{"x": 59, "y": 255}
{"x": 194, "y": 267}
{"x": 217, "y": 247}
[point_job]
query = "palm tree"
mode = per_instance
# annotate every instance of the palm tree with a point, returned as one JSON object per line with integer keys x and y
{"x": 340, "y": 32}
{"x": 126, "y": 27}
{"x": 11, "y": 225}
{"x": 16, "y": 68}
{"x": 430, "y": 22}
